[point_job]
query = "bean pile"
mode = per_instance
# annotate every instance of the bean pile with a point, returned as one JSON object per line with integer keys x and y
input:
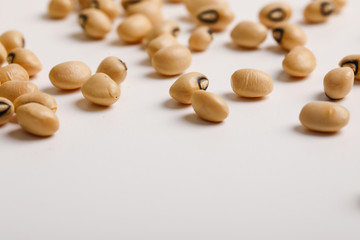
{"x": 144, "y": 24}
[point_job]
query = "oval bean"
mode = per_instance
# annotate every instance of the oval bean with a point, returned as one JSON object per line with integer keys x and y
{"x": 36, "y": 97}
{"x": 289, "y": 35}
{"x": 134, "y": 28}
{"x": 114, "y": 68}
{"x": 13, "y": 89}
{"x": 249, "y": 34}
{"x": 201, "y": 38}
{"x": 275, "y": 13}
{"x": 299, "y": 62}
{"x": 12, "y": 39}
{"x": 13, "y": 72}
{"x": 25, "y": 58}
{"x": 6, "y": 110}
{"x": 95, "y": 23}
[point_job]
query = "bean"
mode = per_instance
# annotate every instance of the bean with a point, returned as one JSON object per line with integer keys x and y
{"x": 69, "y": 75}
{"x": 25, "y": 58}
{"x": 12, "y": 72}
{"x": 6, "y": 110}
{"x": 162, "y": 41}
{"x": 134, "y": 28}
{"x": 353, "y": 62}
{"x": 128, "y": 3}
{"x": 289, "y": 35}
{"x": 251, "y": 83}
{"x": 12, "y": 39}
{"x": 3, "y": 54}
{"x": 168, "y": 26}
{"x": 184, "y": 87}
{"x": 152, "y": 11}
{"x": 249, "y": 34}
{"x": 339, "y": 82}
{"x": 114, "y": 68}
{"x": 172, "y": 60}
{"x": 193, "y": 5}
{"x": 340, "y": 4}
{"x": 109, "y": 7}
{"x": 101, "y": 90}
{"x": 95, "y": 23}
{"x": 84, "y": 3}
{"x": 324, "y": 116}
{"x": 275, "y": 13}
{"x": 59, "y": 9}
{"x": 319, "y": 11}
{"x": 13, "y": 89}
{"x": 209, "y": 106}
{"x": 37, "y": 119}
{"x": 215, "y": 16}
{"x": 299, "y": 62}
{"x": 201, "y": 38}
{"x": 36, "y": 97}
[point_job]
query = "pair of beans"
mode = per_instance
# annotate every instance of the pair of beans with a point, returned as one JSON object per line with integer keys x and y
{"x": 319, "y": 11}
{"x": 8, "y": 41}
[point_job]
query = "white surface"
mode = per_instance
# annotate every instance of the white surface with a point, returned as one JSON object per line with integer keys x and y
{"x": 148, "y": 168}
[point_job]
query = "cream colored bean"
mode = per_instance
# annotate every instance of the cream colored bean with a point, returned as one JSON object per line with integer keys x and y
{"x": 59, "y": 9}
{"x": 69, "y": 75}
{"x": 299, "y": 62}
{"x": 134, "y": 28}
{"x": 215, "y": 16}
{"x": 353, "y": 62}
{"x": 114, "y": 68}
{"x": 172, "y": 60}
{"x": 339, "y": 82}
{"x": 14, "y": 89}
{"x": 3, "y": 54}
{"x": 201, "y": 38}
{"x": 339, "y": 4}
{"x": 109, "y": 7}
{"x": 37, "y": 119}
{"x": 152, "y": 11}
{"x": 128, "y": 3}
{"x": 249, "y": 34}
{"x": 209, "y": 106}
{"x": 193, "y": 5}
{"x": 184, "y": 87}
{"x": 6, "y": 110}
{"x": 95, "y": 23}
{"x": 289, "y": 35}
{"x": 251, "y": 83}
{"x": 101, "y": 90}
{"x": 25, "y": 58}
{"x": 36, "y": 97}
{"x": 168, "y": 26}
{"x": 162, "y": 41}
{"x": 275, "y": 13}
{"x": 12, "y": 39}
{"x": 13, "y": 72}
{"x": 324, "y": 116}
{"x": 319, "y": 11}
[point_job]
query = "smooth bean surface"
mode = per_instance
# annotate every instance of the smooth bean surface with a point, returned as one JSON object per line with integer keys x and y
{"x": 201, "y": 38}
{"x": 274, "y": 13}
{"x": 114, "y": 67}
{"x": 12, "y": 72}
{"x": 249, "y": 34}
{"x": 339, "y": 82}
{"x": 12, "y": 39}
{"x": 36, "y": 97}
{"x": 95, "y": 23}
{"x": 13, "y": 89}
{"x": 289, "y": 35}
{"x": 299, "y": 62}
{"x": 27, "y": 59}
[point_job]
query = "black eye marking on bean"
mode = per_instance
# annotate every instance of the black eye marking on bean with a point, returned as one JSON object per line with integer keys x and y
{"x": 203, "y": 83}
{"x": 83, "y": 19}
{"x": 175, "y": 31}
{"x": 94, "y": 4}
{"x": 331, "y": 99}
{"x": 277, "y": 15}
{"x": 211, "y": 33}
{"x": 123, "y": 63}
{"x": 11, "y": 57}
{"x": 354, "y": 64}
{"x": 278, "y": 34}
{"x": 131, "y": 2}
{"x": 327, "y": 8}
{"x": 4, "y": 108}
{"x": 209, "y": 16}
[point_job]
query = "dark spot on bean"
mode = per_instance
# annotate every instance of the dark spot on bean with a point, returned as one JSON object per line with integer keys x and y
{"x": 123, "y": 63}
{"x": 82, "y": 20}
{"x": 11, "y": 57}
{"x": 278, "y": 34}
{"x": 94, "y": 4}
{"x": 23, "y": 42}
{"x": 203, "y": 83}
{"x": 327, "y": 8}
{"x": 176, "y": 31}
{"x": 209, "y": 16}
{"x": 277, "y": 15}
{"x": 131, "y": 2}
{"x": 331, "y": 99}
{"x": 353, "y": 64}
{"x": 4, "y": 108}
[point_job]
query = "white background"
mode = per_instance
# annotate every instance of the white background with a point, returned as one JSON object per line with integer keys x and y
{"x": 148, "y": 168}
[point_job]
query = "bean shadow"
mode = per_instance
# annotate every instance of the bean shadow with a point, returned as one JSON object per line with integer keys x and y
{"x": 276, "y": 49}
{"x": 146, "y": 62}
{"x": 284, "y": 77}
{"x": 233, "y": 47}
{"x": 88, "y": 106}
{"x": 120, "y": 43}
{"x": 236, "y": 98}
{"x": 157, "y": 76}
{"x": 304, "y": 131}
{"x": 194, "y": 119}
{"x": 186, "y": 19}
{"x": 21, "y": 135}
{"x": 58, "y": 92}
{"x": 321, "y": 96}
{"x": 357, "y": 82}
{"x": 81, "y": 37}
{"x": 172, "y": 104}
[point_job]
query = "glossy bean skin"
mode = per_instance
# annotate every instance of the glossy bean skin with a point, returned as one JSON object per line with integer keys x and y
{"x": 134, "y": 28}
{"x": 251, "y": 83}
{"x": 160, "y": 42}
{"x": 3, "y": 54}
{"x": 12, "y": 39}
{"x": 12, "y": 72}
{"x": 201, "y": 38}
{"x": 209, "y": 106}
{"x": 275, "y": 13}
{"x": 168, "y": 26}
{"x": 353, "y": 62}
{"x": 325, "y": 117}
{"x": 59, "y": 9}
{"x": 289, "y": 35}
{"x": 27, "y": 59}
{"x": 36, "y": 97}
{"x": 184, "y": 87}
{"x": 319, "y": 11}
{"x": 339, "y": 82}
{"x": 13, "y": 89}
{"x": 37, "y": 119}
{"x": 95, "y": 23}
{"x": 69, "y": 75}
{"x": 249, "y": 34}
{"x": 216, "y": 17}
{"x": 101, "y": 90}
{"x": 152, "y": 11}
{"x": 299, "y": 62}
{"x": 6, "y": 110}
{"x": 114, "y": 67}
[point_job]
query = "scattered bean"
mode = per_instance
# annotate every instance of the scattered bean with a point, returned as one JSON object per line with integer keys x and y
{"x": 95, "y": 23}
{"x": 12, "y": 72}
{"x": 26, "y": 59}
{"x": 13, "y": 89}
{"x": 114, "y": 68}
{"x": 12, "y": 39}
{"x": 209, "y": 106}
{"x": 353, "y": 62}
{"x": 324, "y": 116}
{"x": 6, "y": 110}
{"x": 134, "y": 28}
{"x": 152, "y": 11}
{"x": 69, "y": 75}
{"x": 289, "y": 35}
{"x": 193, "y": 5}
{"x": 184, "y": 87}
{"x": 36, "y": 97}
{"x": 274, "y": 13}
{"x": 339, "y": 82}
{"x": 59, "y": 9}
{"x": 249, "y": 34}
{"x": 160, "y": 42}
{"x": 101, "y": 90}
{"x": 168, "y": 26}
{"x": 109, "y": 7}
{"x": 319, "y": 11}
{"x": 299, "y": 62}
{"x": 201, "y": 38}
{"x": 215, "y": 16}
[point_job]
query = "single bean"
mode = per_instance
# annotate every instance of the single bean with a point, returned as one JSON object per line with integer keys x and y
{"x": 6, "y": 110}
{"x": 215, "y": 16}
{"x": 114, "y": 68}
{"x": 13, "y": 72}
{"x": 162, "y": 41}
{"x": 152, "y": 11}
{"x": 201, "y": 38}
{"x": 299, "y": 62}
{"x": 95, "y": 23}
{"x": 25, "y": 58}
{"x": 13, "y": 89}
{"x": 353, "y": 62}
{"x": 339, "y": 82}
{"x": 101, "y": 90}
{"x": 184, "y": 87}
{"x": 12, "y": 39}
{"x": 249, "y": 34}
{"x": 109, "y": 7}
{"x": 289, "y": 35}
{"x": 134, "y": 28}
{"x": 36, "y": 97}
{"x": 275, "y": 13}
{"x": 168, "y": 26}
{"x": 209, "y": 106}
{"x": 59, "y": 9}
{"x": 172, "y": 60}
{"x": 324, "y": 116}
{"x": 319, "y": 11}
{"x": 37, "y": 119}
